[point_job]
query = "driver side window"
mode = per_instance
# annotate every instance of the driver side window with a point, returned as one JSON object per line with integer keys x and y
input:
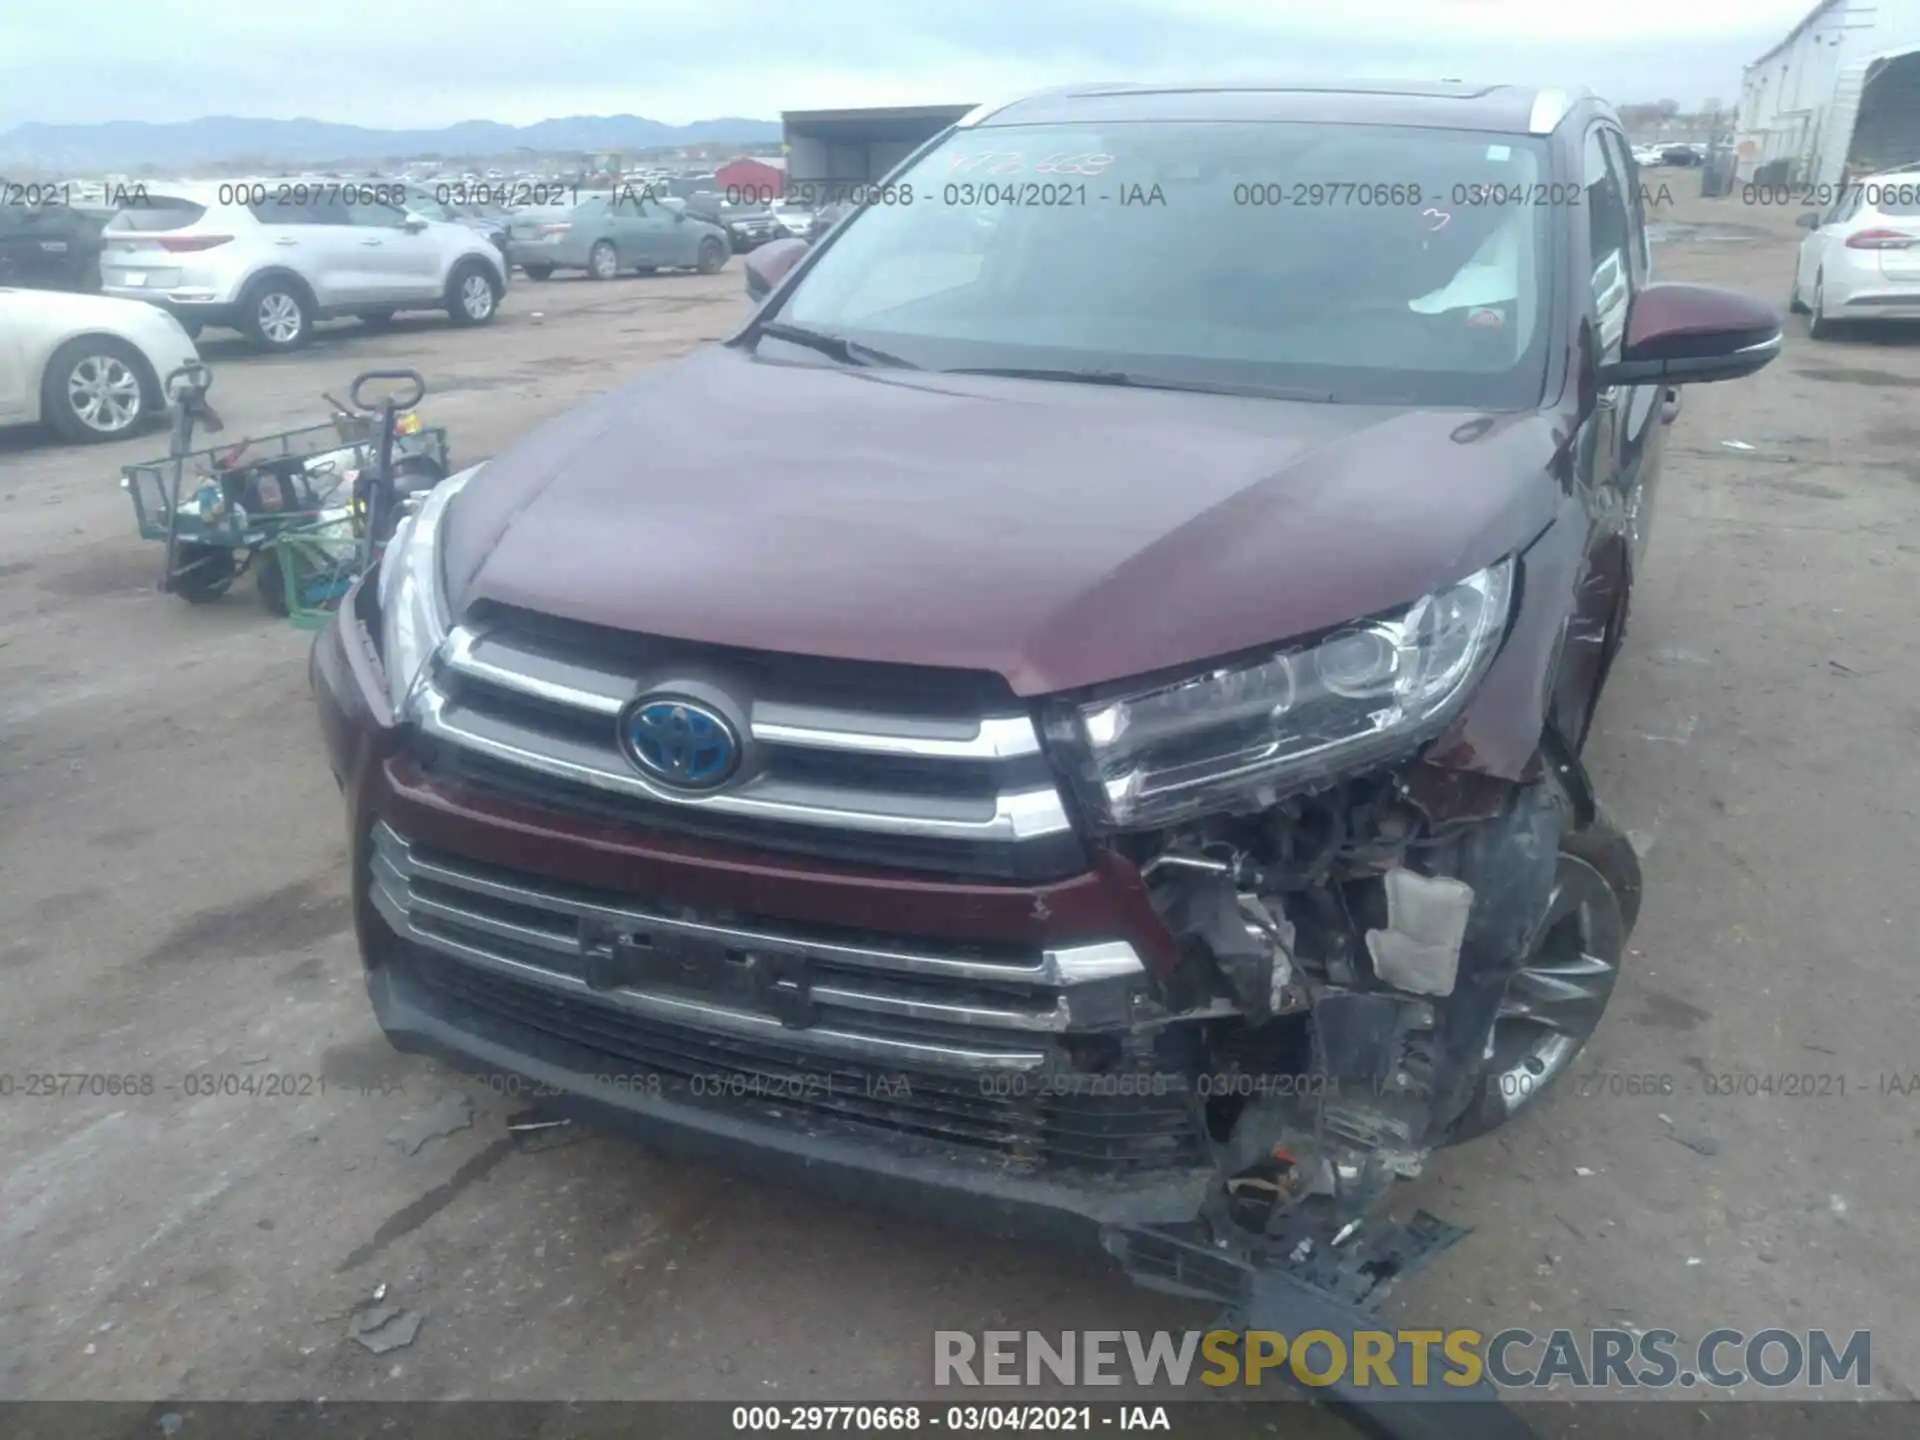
{"x": 1620, "y": 160}
{"x": 1609, "y": 242}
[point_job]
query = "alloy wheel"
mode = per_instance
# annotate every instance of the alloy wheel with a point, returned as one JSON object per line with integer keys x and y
{"x": 280, "y": 318}
{"x": 1555, "y": 1000}
{"x": 476, "y": 296}
{"x": 104, "y": 393}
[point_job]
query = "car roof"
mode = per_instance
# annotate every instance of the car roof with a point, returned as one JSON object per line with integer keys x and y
{"x": 1435, "y": 104}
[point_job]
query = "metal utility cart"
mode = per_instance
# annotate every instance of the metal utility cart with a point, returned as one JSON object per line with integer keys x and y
{"x": 217, "y": 509}
{"x": 317, "y": 563}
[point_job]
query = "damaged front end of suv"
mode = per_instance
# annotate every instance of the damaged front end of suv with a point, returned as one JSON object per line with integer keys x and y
{"x": 1391, "y": 938}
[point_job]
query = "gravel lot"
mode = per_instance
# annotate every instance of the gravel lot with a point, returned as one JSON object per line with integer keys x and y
{"x": 172, "y": 903}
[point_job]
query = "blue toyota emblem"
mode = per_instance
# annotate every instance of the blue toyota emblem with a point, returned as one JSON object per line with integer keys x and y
{"x": 680, "y": 741}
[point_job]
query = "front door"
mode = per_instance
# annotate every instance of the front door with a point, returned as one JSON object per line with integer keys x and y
{"x": 403, "y": 265}
{"x": 643, "y": 228}
{"x": 1617, "y": 432}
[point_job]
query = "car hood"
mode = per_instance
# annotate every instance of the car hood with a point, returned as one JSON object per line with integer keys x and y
{"x": 65, "y": 306}
{"x": 1058, "y": 534}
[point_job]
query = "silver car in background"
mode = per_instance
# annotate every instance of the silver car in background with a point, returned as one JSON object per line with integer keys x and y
{"x": 605, "y": 234}
{"x": 272, "y": 258}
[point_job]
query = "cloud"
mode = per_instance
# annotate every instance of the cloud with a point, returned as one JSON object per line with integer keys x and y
{"x": 434, "y": 62}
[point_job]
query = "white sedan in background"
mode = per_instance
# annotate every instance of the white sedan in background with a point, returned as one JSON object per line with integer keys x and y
{"x": 1861, "y": 257}
{"x": 87, "y": 365}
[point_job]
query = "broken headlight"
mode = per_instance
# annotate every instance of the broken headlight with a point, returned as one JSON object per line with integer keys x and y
{"x": 1240, "y": 738}
{"x": 413, "y": 605}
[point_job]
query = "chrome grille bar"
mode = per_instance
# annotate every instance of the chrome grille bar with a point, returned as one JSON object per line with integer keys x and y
{"x": 444, "y": 904}
{"x": 1007, "y": 817}
{"x": 499, "y": 661}
{"x": 727, "y": 1020}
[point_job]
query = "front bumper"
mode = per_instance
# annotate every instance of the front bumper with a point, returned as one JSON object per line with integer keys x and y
{"x": 591, "y": 1054}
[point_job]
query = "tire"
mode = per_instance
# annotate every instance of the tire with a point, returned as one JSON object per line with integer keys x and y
{"x": 276, "y": 315}
{"x": 1607, "y": 849}
{"x": 203, "y": 573}
{"x": 538, "y": 272}
{"x": 473, "y": 294}
{"x": 97, "y": 388}
{"x": 603, "y": 261}
{"x": 1555, "y": 1001}
{"x": 271, "y": 581}
{"x": 713, "y": 255}
{"x": 377, "y": 319}
{"x": 1819, "y": 327}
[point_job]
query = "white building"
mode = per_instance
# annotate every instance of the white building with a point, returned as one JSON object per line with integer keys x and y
{"x": 1840, "y": 92}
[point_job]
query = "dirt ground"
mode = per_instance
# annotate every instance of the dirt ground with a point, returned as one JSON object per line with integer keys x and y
{"x": 172, "y": 904}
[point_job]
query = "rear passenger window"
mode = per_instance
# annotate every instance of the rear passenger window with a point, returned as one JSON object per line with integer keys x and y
{"x": 285, "y": 210}
{"x": 379, "y": 217}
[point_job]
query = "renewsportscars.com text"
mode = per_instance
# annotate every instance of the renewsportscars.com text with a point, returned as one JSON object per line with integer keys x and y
{"x": 1602, "y": 1359}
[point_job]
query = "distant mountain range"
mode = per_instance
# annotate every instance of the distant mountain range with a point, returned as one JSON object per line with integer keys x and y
{"x": 121, "y": 145}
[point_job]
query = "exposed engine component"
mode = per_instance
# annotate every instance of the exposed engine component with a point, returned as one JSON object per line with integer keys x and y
{"x": 1426, "y": 922}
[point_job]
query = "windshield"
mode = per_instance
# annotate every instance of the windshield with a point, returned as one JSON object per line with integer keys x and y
{"x": 1368, "y": 263}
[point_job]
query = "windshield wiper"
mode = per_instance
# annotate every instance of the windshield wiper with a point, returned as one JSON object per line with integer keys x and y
{"x": 839, "y": 347}
{"x": 1145, "y": 382}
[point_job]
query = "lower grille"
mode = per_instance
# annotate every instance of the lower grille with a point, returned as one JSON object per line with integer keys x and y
{"x": 965, "y": 1048}
{"x": 698, "y": 1068}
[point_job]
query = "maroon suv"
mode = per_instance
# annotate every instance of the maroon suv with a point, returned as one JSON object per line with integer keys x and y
{"x": 1074, "y": 713}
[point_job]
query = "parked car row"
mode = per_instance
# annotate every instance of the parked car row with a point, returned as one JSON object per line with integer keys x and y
{"x": 1649, "y": 156}
{"x": 57, "y": 246}
{"x": 274, "y": 264}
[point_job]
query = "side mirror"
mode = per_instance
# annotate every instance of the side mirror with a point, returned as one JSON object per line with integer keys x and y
{"x": 414, "y": 223}
{"x": 1809, "y": 221}
{"x": 679, "y": 217}
{"x": 1679, "y": 333}
{"x": 767, "y": 266}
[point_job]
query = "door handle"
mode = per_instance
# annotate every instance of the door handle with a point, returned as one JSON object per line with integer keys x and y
{"x": 370, "y": 242}
{"x": 286, "y": 240}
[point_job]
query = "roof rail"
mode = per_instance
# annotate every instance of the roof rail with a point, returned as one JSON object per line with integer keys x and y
{"x": 1092, "y": 87}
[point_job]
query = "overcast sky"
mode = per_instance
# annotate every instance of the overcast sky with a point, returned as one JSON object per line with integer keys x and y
{"x": 395, "y": 63}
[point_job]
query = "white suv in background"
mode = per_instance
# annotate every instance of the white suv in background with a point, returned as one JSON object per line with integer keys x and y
{"x": 270, "y": 258}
